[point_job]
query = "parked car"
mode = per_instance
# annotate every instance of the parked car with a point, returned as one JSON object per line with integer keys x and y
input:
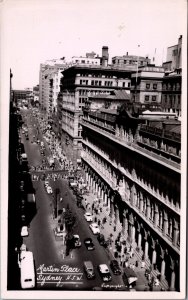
{"x": 49, "y": 190}
{"x": 88, "y": 216}
{"x": 24, "y": 231}
{"x": 89, "y": 244}
{"x": 104, "y": 272}
{"x": 76, "y": 241}
{"x": 114, "y": 265}
{"x": 95, "y": 228}
{"x": 46, "y": 183}
{"x": 101, "y": 239}
{"x": 58, "y": 231}
{"x": 89, "y": 269}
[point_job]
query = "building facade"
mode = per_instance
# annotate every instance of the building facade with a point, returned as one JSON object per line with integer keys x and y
{"x": 23, "y": 97}
{"x": 111, "y": 101}
{"x": 171, "y": 90}
{"x": 130, "y": 62}
{"x": 174, "y": 57}
{"x": 79, "y": 83}
{"x": 49, "y": 84}
{"x": 146, "y": 84}
{"x": 138, "y": 183}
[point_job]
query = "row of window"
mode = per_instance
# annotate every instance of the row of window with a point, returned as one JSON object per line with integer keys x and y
{"x": 82, "y": 100}
{"x": 172, "y": 86}
{"x": 99, "y": 83}
{"x": 168, "y": 229}
{"x": 126, "y": 62}
{"x": 83, "y": 61}
{"x": 153, "y": 98}
{"x": 148, "y": 86}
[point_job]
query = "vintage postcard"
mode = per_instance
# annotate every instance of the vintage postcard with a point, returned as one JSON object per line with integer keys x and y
{"x": 93, "y": 149}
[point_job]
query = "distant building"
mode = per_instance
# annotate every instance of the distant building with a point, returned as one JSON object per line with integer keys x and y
{"x": 130, "y": 62}
{"x": 174, "y": 57}
{"x": 171, "y": 93}
{"x": 49, "y": 84}
{"x": 23, "y": 97}
{"x": 36, "y": 93}
{"x": 171, "y": 90}
{"x": 146, "y": 84}
{"x": 77, "y": 84}
{"x": 89, "y": 59}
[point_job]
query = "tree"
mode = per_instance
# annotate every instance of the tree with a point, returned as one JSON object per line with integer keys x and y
{"x": 57, "y": 194}
{"x": 70, "y": 223}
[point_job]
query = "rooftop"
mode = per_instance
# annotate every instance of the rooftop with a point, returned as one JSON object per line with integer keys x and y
{"x": 114, "y": 95}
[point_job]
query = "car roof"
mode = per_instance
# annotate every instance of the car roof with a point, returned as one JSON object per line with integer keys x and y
{"x": 103, "y": 267}
{"x": 76, "y": 236}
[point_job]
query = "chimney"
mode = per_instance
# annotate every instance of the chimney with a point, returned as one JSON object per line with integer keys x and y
{"x": 105, "y": 56}
{"x": 127, "y": 53}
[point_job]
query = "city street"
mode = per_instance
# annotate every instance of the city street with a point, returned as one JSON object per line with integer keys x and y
{"x": 48, "y": 250}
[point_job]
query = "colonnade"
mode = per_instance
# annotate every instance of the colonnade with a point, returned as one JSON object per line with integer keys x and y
{"x": 135, "y": 229}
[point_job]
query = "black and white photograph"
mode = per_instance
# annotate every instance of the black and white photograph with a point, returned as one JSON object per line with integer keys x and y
{"x": 93, "y": 149}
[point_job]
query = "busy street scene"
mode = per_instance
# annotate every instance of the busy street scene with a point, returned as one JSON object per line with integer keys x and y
{"x": 94, "y": 160}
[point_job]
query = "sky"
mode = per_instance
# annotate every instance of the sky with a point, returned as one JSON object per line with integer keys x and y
{"x": 35, "y": 31}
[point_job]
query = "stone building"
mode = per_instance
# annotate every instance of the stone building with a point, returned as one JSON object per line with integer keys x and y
{"x": 128, "y": 162}
{"x": 146, "y": 84}
{"x": 77, "y": 84}
{"x": 171, "y": 89}
{"x": 130, "y": 62}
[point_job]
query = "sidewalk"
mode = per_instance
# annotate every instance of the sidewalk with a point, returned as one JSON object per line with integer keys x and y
{"x": 111, "y": 231}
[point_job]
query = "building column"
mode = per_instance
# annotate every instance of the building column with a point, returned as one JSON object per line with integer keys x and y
{"x": 172, "y": 281}
{"x": 175, "y": 233}
{"x": 154, "y": 256}
{"x": 165, "y": 224}
{"x": 139, "y": 240}
{"x": 108, "y": 202}
{"x": 96, "y": 188}
{"x": 148, "y": 208}
{"x": 156, "y": 217}
{"x": 162, "y": 267}
{"x": 132, "y": 194}
{"x": 146, "y": 250}
{"x": 87, "y": 176}
{"x": 105, "y": 198}
{"x": 141, "y": 203}
{"x": 111, "y": 208}
{"x": 102, "y": 195}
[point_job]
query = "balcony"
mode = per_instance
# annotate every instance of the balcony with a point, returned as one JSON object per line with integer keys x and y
{"x": 134, "y": 178}
{"x": 110, "y": 181}
{"x": 133, "y": 146}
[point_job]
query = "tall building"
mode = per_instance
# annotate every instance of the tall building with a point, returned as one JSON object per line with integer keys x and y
{"x": 132, "y": 163}
{"x": 49, "y": 83}
{"x": 174, "y": 57}
{"x": 171, "y": 89}
{"x": 77, "y": 84}
{"x": 146, "y": 84}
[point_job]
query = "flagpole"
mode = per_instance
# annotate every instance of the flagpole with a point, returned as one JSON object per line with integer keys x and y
{"x": 136, "y": 74}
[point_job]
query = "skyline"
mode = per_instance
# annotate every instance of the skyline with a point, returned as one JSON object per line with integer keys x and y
{"x": 41, "y": 31}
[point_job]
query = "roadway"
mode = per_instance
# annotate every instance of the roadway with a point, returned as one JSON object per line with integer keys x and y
{"x": 48, "y": 250}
